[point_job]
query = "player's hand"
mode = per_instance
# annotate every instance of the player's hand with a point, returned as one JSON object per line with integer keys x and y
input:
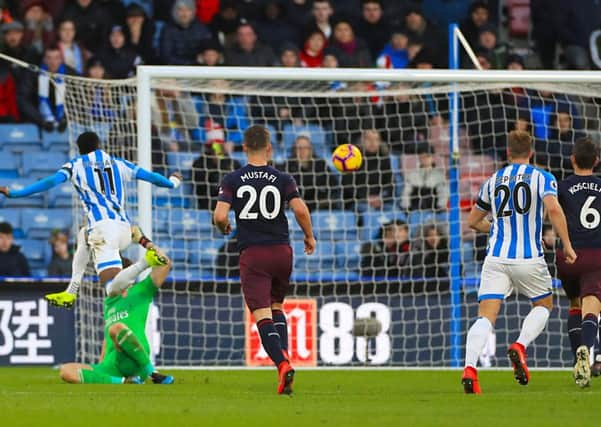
{"x": 227, "y": 229}
{"x": 310, "y": 244}
{"x": 176, "y": 178}
{"x": 5, "y": 191}
{"x": 570, "y": 255}
{"x": 178, "y": 175}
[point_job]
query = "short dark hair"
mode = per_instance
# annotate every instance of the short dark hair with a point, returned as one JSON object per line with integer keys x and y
{"x": 364, "y": 2}
{"x": 6, "y": 228}
{"x": 586, "y": 152}
{"x": 88, "y": 142}
{"x": 256, "y": 138}
{"x": 520, "y": 144}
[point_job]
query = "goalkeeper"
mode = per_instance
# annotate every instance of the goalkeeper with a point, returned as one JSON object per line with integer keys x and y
{"x": 125, "y": 355}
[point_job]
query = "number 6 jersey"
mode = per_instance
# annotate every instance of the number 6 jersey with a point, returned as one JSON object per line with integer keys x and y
{"x": 258, "y": 195}
{"x": 514, "y": 196}
{"x": 580, "y": 198}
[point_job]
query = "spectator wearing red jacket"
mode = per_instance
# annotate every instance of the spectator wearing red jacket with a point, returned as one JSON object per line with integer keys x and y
{"x": 8, "y": 95}
{"x": 311, "y": 55}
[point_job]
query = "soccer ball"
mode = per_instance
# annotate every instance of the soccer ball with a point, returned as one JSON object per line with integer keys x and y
{"x": 347, "y": 158}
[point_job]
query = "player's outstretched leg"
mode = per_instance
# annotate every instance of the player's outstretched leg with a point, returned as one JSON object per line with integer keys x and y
{"x": 126, "y": 341}
{"x": 78, "y": 373}
{"x": 125, "y": 277}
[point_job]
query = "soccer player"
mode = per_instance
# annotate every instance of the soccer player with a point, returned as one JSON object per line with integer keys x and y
{"x": 516, "y": 197}
{"x": 99, "y": 179}
{"x": 258, "y": 194}
{"x": 580, "y": 197}
{"x": 125, "y": 355}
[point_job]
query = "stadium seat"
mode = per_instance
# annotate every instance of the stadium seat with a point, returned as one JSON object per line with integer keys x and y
{"x": 52, "y": 139}
{"x": 190, "y": 223}
{"x": 9, "y": 166}
{"x": 373, "y": 220}
{"x": 19, "y": 137}
{"x": 317, "y": 135}
{"x": 177, "y": 250}
{"x": 13, "y": 217}
{"x": 41, "y": 164}
{"x": 324, "y": 258}
{"x": 395, "y": 166}
{"x": 181, "y": 162}
{"x": 203, "y": 253}
{"x": 348, "y": 255}
{"x": 34, "y": 201}
{"x": 170, "y": 198}
{"x": 63, "y": 196}
{"x": 35, "y": 251}
{"x": 39, "y": 223}
{"x": 334, "y": 225}
{"x": 418, "y": 218}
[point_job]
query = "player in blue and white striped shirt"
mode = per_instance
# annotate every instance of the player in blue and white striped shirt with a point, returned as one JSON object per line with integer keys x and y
{"x": 100, "y": 180}
{"x": 516, "y": 198}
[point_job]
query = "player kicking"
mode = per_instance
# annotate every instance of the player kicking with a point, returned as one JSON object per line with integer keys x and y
{"x": 580, "y": 197}
{"x": 125, "y": 356}
{"x": 515, "y": 197}
{"x": 100, "y": 179}
{"x": 258, "y": 194}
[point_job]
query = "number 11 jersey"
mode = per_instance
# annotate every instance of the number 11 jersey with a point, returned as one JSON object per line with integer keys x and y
{"x": 580, "y": 198}
{"x": 258, "y": 195}
{"x": 514, "y": 196}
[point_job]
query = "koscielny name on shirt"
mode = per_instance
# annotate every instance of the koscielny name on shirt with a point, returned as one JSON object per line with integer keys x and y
{"x": 584, "y": 186}
{"x": 258, "y": 175}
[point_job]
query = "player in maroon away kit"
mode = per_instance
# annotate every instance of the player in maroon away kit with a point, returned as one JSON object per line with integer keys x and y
{"x": 258, "y": 193}
{"x": 580, "y": 198}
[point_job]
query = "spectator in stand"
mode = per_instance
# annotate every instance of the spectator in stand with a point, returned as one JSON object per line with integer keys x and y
{"x": 425, "y": 188}
{"x": 12, "y": 262}
{"x": 430, "y": 254}
{"x": 273, "y": 29}
{"x": 312, "y": 175}
{"x": 92, "y": 21}
{"x": 55, "y": 8}
{"x": 40, "y": 101}
{"x": 39, "y": 28}
{"x": 181, "y": 38}
{"x": 5, "y": 14}
{"x": 549, "y": 245}
{"x": 373, "y": 27}
{"x": 73, "y": 55}
{"x": 515, "y": 62}
{"x": 487, "y": 42}
{"x": 575, "y": 28}
{"x": 248, "y": 51}
{"x": 321, "y": 18}
{"x": 140, "y": 30}
{"x": 119, "y": 59}
{"x": 226, "y": 23}
{"x": 546, "y": 20}
{"x": 9, "y": 113}
{"x": 210, "y": 168}
{"x": 350, "y": 50}
{"x": 13, "y": 46}
{"x": 421, "y": 31}
{"x": 388, "y": 256}
{"x": 95, "y": 69}
{"x": 227, "y": 264}
{"x": 210, "y": 53}
{"x": 395, "y": 54}
{"x": 372, "y": 185}
{"x": 297, "y": 13}
{"x": 311, "y": 55}
{"x": 206, "y": 10}
{"x": 62, "y": 259}
{"x": 478, "y": 16}
{"x": 289, "y": 56}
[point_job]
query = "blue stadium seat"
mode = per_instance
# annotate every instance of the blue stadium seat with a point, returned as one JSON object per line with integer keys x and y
{"x": 395, "y": 165}
{"x": 170, "y": 198}
{"x": 239, "y": 156}
{"x": 373, "y": 220}
{"x": 317, "y": 135}
{"x": 295, "y": 231}
{"x": 190, "y": 223}
{"x": 38, "y": 223}
{"x": 334, "y": 225}
{"x": 35, "y": 251}
{"x": 63, "y": 196}
{"x": 19, "y": 137}
{"x": 177, "y": 250}
{"x": 203, "y": 253}
{"x": 13, "y": 217}
{"x": 181, "y": 162}
{"x": 9, "y": 166}
{"x": 418, "y": 218}
{"x": 41, "y": 164}
{"x": 323, "y": 259}
{"x": 34, "y": 201}
{"x": 54, "y": 138}
{"x": 348, "y": 255}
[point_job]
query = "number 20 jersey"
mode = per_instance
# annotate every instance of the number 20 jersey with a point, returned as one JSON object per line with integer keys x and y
{"x": 514, "y": 196}
{"x": 580, "y": 198}
{"x": 99, "y": 180}
{"x": 258, "y": 195}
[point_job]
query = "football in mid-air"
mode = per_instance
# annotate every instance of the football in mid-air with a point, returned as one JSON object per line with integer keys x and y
{"x": 347, "y": 158}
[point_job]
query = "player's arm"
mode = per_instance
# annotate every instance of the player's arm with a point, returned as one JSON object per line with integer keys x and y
{"x": 159, "y": 274}
{"x": 303, "y": 217}
{"x": 38, "y": 187}
{"x": 102, "y": 351}
{"x": 221, "y": 217}
{"x": 159, "y": 180}
{"x": 477, "y": 217}
{"x": 558, "y": 220}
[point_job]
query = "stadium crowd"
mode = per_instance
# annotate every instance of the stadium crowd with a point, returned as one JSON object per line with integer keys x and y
{"x": 107, "y": 39}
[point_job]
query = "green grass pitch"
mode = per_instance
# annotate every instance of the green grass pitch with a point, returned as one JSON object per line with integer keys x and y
{"x": 36, "y": 397}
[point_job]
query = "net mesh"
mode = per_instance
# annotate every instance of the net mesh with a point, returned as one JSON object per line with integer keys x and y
{"x": 383, "y": 232}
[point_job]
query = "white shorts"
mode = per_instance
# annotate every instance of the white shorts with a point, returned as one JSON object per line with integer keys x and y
{"x": 106, "y": 239}
{"x": 499, "y": 279}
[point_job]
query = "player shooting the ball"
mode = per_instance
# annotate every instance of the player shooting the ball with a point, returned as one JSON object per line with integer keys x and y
{"x": 125, "y": 355}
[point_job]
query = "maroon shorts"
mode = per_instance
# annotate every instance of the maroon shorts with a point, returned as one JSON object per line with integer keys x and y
{"x": 582, "y": 278}
{"x": 265, "y": 274}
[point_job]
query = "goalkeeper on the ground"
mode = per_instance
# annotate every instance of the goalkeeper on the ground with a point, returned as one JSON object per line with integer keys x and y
{"x": 125, "y": 356}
